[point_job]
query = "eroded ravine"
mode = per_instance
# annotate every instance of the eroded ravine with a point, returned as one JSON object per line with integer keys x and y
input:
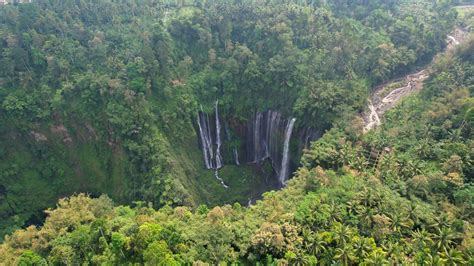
{"x": 388, "y": 95}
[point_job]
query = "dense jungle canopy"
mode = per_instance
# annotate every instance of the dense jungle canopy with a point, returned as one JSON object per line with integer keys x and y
{"x": 102, "y": 111}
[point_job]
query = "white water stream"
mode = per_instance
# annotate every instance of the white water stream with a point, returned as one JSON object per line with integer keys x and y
{"x": 216, "y": 174}
{"x": 286, "y": 145}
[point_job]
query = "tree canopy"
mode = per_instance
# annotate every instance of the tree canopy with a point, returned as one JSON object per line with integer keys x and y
{"x": 101, "y": 97}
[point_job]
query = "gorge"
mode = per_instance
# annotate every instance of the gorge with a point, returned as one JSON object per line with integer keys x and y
{"x": 195, "y": 103}
{"x": 266, "y": 136}
{"x": 237, "y": 132}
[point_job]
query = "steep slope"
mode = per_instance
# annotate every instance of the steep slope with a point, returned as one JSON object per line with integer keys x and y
{"x": 409, "y": 204}
{"x": 102, "y": 96}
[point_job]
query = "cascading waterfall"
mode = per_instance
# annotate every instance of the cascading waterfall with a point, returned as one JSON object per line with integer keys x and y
{"x": 207, "y": 144}
{"x": 308, "y": 135}
{"x": 256, "y": 137}
{"x": 265, "y": 131}
{"x": 235, "y": 152}
{"x": 453, "y": 40}
{"x": 275, "y": 141}
{"x": 236, "y": 156}
{"x": 284, "y": 162}
{"x": 218, "y": 139}
{"x": 212, "y": 159}
{"x": 271, "y": 139}
{"x": 268, "y": 137}
{"x": 205, "y": 141}
{"x": 216, "y": 174}
{"x": 209, "y": 140}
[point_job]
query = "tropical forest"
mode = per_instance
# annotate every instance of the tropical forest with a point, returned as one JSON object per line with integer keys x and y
{"x": 237, "y": 132}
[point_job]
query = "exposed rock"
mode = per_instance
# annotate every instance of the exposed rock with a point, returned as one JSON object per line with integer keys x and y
{"x": 380, "y": 102}
{"x": 38, "y": 136}
{"x": 62, "y": 131}
{"x": 91, "y": 131}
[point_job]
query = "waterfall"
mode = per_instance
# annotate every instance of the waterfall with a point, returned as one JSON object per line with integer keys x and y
{"x": 218, "y": 140}
{"x": 205, "y": 142}
{"x": 267, "y": 137}
{"x": 275, "y": 141}
{"x": 265, "y": 131}
{"x": 286, "y": 145}
{"x": 373, "y": 118}
{"x": 203, "y": 146}
{"x": 208, "y": 130}
{"x": 308, "y": 135}
{"x": 236, "y": 156}
{"x": 453, "y": 40}
{"x": 256, "y": 137}
{"x": 270, "y": 138}
{"x": 216, "y": 174}
{"x": 211, "y": 160}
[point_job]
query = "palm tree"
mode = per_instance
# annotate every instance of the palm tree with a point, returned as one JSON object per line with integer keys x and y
{"x": 380, "y": 199}
{"x": 299, "y": 260}
{"x": 343, "y": 234}
{"x": 358, "y": 162}
{"x": 394, "y": 252}
{"x": 453, "y": 257}
{"x": 351, "y": 211}
{"x": 410, "y": 168}
{"x": 362, "y": 247}
{"x": 316, "y": 245}
{"x": 443, "y": 238}
{"x": 441, "y": 221}
{"x": 398, "y": 222}
{"x": 376, "y": 258}
{"x": 343, "y": 155}
{"x": 345, "y": 254}
{"x": 351, "y": 207}
{"x": 366, "y": 215}
{"x": 433, "y": 260}
{"x": 411, "y": 213}
{"x": 423, "y": 148}
{"x": 335, "y": 212}
{"x": 366, "y": 197}
{"x": 455, "y": 134}
{"x": 422, "y": 239}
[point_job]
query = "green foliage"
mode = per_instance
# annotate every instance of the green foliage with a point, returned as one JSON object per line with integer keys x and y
{"x": 158, "y": 253}
{"x": 339, "y": 221}
{"x": 100, "y": 97}
{"x": 30, "y": 258}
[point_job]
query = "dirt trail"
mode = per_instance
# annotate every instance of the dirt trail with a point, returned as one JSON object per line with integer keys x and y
{"x": 387, "y": 95}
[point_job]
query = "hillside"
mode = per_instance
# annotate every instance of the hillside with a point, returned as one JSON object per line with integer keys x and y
{"x": 181, "y": 132}
{"x": 412, "y": 204}
{"x": 102, "y": 97}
